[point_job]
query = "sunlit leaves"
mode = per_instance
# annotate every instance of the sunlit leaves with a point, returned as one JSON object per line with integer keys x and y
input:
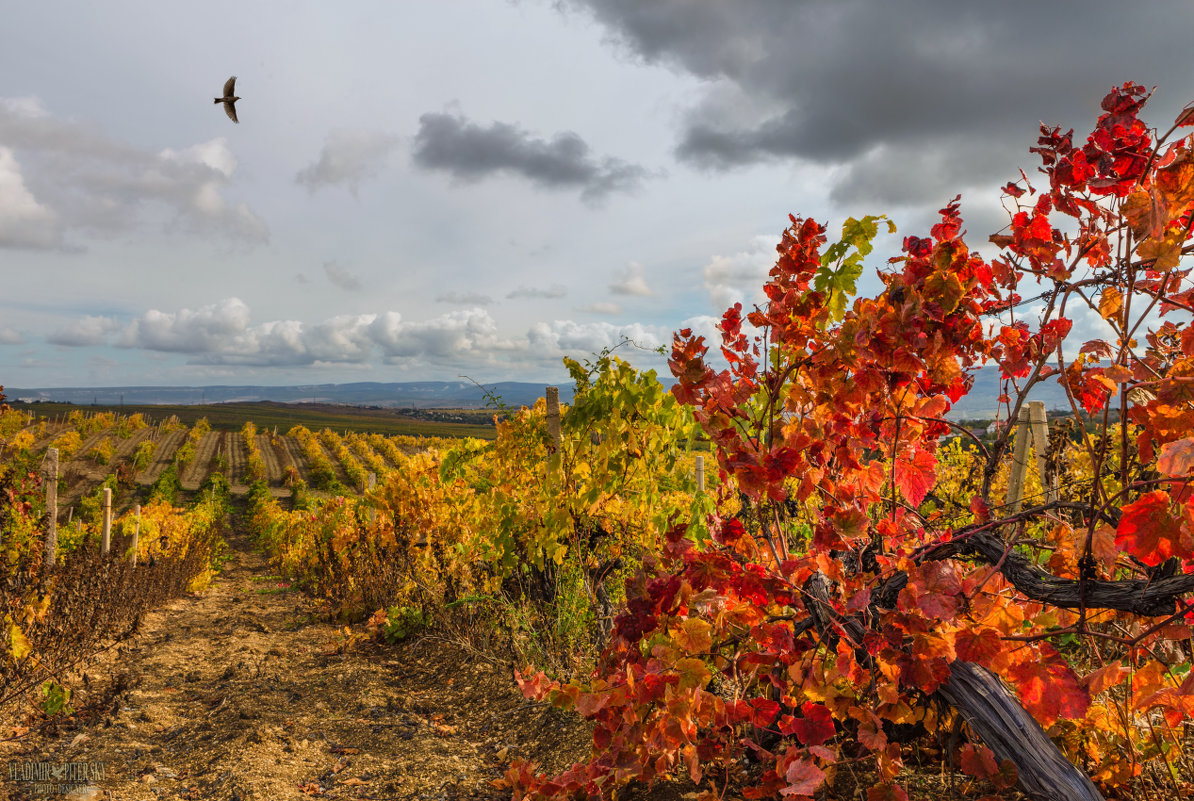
{"x": 915, "y": 474}
{"x": 842, "y": 261}
{"x": 1148, "y": 531}
{"x": 828, "y": 423}
{"x": 18, "y": 645}
{"x": 1048, "y": 686}
{"x": 1177, "y": 458}
{"x": 693, "y": 636}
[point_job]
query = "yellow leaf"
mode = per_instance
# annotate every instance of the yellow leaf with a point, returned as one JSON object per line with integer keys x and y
{"x": 19, "y": 647}
{"x": 693, "y": 673}
{"x": 1110, "y": 302}
{"x": 1142, "y": 213}
{"x": 694, "y": 636}
{"x": 1165, "y": 252}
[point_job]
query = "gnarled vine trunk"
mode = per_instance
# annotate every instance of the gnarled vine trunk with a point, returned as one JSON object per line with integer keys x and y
{"x": 1004, "y": 725}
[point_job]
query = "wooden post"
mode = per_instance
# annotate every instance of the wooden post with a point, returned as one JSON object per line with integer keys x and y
{"x": 51, "y": 553}
{"x": 700, "y": 473}
{"x": 1015, "y": 481}
{"x": 1040, "y": 444}
{"x": 553, "y": 416}
{"x": 136, "y": 531}
{"x": 106, "y": 542}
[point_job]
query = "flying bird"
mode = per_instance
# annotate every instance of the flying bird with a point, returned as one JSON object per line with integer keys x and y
{"x": 229, "y": 100}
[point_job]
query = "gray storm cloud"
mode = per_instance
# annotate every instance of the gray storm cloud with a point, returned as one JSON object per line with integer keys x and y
{"x": 916, "y": 100}
{"x": 469, "y": 152}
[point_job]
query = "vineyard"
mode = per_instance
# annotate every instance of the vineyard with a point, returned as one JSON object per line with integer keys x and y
{"x": 839, "y": 598}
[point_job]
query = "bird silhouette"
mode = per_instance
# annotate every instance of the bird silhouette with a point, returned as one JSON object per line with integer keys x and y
{"x": 229, "y": 100}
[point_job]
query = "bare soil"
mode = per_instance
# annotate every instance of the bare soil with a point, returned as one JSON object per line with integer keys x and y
{"x": 245, "y": 691}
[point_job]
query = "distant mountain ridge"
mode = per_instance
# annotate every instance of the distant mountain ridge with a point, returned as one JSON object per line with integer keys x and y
{"x": 979, "y": 403}
{"x": 410, "y": 394}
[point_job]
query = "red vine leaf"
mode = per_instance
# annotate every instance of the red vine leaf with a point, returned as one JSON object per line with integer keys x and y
{"x": 1146, "y": 530}
{"x": 1048, "y": 686}
{"x": 915, "y": 474}
{"x": 803, "y": 777}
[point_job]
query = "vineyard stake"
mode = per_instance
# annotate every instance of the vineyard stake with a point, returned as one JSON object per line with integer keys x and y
{"x": 700, "y": 473}
{"x": 51, "y": 508}
{"x": 1030, "y": 425}
{"x": 553, "y": 416}
{"x": 107, "y": 538}
{"x": 1040, "y": 444}
{"x": 1015, "y": 481}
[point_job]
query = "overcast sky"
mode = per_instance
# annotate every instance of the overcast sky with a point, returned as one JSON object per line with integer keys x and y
{"x": 427, "y": 189}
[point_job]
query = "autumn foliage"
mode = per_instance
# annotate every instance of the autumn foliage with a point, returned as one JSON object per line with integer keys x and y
{"x": 762, "y": 659}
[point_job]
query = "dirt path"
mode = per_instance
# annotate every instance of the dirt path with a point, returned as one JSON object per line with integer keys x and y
{"x": 240, "y": 693}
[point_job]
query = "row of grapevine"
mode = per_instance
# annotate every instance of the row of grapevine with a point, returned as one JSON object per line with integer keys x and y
{"x": 353, "y": 471}
{"x": 511, "y": 521}
{"x": 254, "y": 461}
{"x": 61, "y": 605}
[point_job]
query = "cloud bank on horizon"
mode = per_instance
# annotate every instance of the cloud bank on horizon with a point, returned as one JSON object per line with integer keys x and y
{"x": 418, "y": 192}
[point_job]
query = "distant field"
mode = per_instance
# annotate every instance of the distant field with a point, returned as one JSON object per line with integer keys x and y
{"x": 267, "y": 415}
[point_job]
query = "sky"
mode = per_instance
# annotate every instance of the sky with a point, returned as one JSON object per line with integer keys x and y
{"x": 437, "y": 189}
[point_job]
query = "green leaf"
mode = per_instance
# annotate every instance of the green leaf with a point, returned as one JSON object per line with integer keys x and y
{"x": 841, "y": 264}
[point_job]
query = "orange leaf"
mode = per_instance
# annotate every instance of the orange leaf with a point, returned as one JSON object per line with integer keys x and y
{"x": 694, "y": 636}
{"x": 886, "y": 792}
{"x": 1117, "y": 373}
{"x": 1104, "y": 678}
{"x": 1177, "y": 458}
{"x": 1110, "y": 302}
{"x": 1175, "y": 182}
{"x": 1164, "y": 251}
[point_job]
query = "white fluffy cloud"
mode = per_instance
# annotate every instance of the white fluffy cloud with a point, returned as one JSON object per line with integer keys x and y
{"x": 631, "y": 281}
{"x": 729, "y": 278}
{"x": 23, "y": 221}
{"x": 219, "y": 326}
{"x": 567, "y": 337}
{"x": 223, "y": 333}
{"x": 60, "y": 178}
{"x": 86, "y": 331}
